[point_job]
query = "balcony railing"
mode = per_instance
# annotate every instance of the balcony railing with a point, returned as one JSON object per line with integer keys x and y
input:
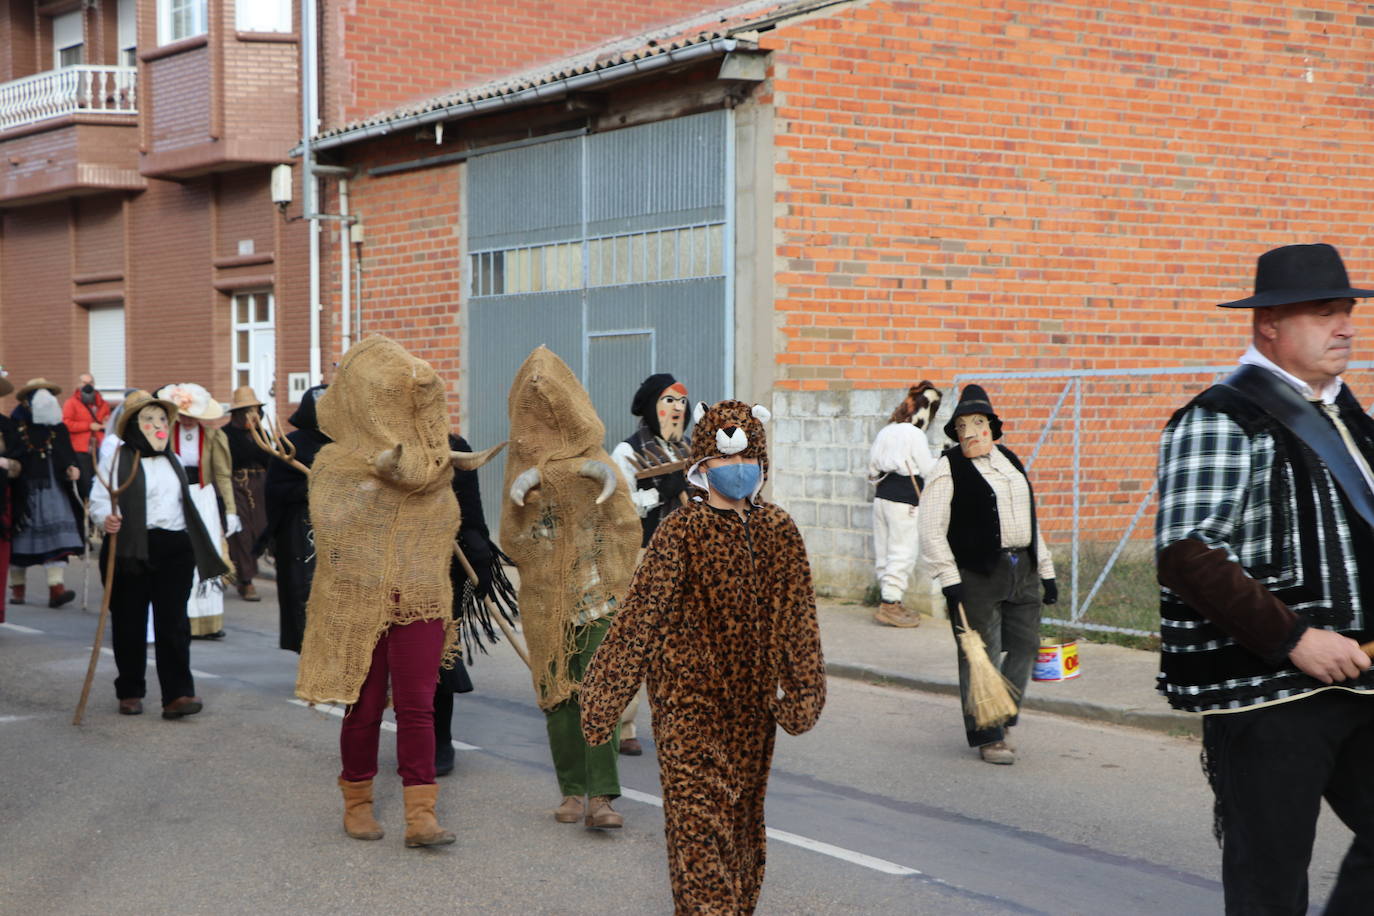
{"x": 66, "y": 91}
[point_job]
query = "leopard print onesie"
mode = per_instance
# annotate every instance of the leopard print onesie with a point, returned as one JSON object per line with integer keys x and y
{"x": 721, "y": 623}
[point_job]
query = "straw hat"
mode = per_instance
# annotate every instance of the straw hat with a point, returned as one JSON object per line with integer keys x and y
{"x": 136, "y": 401}
{"x": 192, "y": 400}
{"x": 33, "y": 385}
{"x": 6, "y": 386}
{"x": 244, "y": 397}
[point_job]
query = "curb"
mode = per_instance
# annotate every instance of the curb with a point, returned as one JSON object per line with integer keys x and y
{"x": 1173, "y": 723}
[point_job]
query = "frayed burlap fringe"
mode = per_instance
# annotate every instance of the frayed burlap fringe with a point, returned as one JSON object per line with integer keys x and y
{"x": 383, "y": 537}
{"x": 575, "y": 557}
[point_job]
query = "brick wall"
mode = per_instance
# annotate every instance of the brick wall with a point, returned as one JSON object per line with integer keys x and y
{"x": 99, "y": 236}
{"x": 412, "y": 264}
{"x": 382, "y": 55}
{"x": 965, "y": 185}
{"x": 35, "y": 264}
{"x": 180, "y": 89}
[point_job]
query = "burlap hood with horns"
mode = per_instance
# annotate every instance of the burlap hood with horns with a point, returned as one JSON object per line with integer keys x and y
{"x": 566, "y": 520}
{"x": 384, "y": 515}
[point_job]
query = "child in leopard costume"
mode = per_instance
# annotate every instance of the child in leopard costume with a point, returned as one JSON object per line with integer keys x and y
{"x": 721, "y": 623}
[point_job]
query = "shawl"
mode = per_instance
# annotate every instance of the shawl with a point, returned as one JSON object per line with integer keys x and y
{"x": 384, "y": 529}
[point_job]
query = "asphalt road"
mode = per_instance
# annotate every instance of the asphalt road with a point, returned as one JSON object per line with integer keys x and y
{"x": 879, "y": 810}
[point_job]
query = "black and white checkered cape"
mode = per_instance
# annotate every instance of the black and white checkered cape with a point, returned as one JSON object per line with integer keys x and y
{"x": 1233, "y": 478}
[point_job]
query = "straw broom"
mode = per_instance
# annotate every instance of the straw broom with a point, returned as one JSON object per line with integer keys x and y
{"x": 991, "y": 697}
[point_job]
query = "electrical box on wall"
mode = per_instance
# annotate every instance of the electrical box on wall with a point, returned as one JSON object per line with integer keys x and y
{"x": 281, "y": 185}
{"x": 297, "y": 384}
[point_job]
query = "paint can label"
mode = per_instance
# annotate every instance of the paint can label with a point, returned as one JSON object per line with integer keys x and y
{"x": 1057, "y": 662}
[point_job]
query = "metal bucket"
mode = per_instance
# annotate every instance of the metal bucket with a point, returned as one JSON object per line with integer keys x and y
{"x": 1056, "y": 661}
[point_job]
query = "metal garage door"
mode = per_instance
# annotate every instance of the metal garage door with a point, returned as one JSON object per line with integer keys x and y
{"x": 612, "y": 250}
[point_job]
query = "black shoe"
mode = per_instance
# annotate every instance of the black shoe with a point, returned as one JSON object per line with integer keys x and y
{"x": 131, "y": 706}
{"x": 444, "y": 758}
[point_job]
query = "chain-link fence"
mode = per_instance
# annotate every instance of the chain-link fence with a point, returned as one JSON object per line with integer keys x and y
{"x": 1089, "y": 440}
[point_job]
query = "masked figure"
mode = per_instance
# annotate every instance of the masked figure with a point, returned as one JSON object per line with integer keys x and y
{"x": 10, "y": 466}
{"x": 721, "y": 624}
{"x": 572, "y": 531}
{"x": 652, "y": 462}
{"x": 86, "y": 416}
{"x": 983, "y": 542}
{"x": 288, "y": 522}
{"x": 162, "y": 545}
{"x": 897, "y": 465}
{"x": 203, "y": 450}
{"x": 250, "y": 482}
{"x": 48, "y": 515}
{"x": 379, "y": 618}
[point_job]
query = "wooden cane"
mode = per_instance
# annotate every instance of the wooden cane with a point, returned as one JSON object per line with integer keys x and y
{"x": 109, "y": 584}
{"x": 1368, "y": 649}
{"x": 491, "y": 606}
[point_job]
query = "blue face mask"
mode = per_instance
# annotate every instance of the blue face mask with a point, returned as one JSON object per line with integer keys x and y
{"x": 734, "y": 481}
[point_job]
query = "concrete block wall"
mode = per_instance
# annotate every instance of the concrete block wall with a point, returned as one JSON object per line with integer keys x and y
{"x": 818, "y": 447}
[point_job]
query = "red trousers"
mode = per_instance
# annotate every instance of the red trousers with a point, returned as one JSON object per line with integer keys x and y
{"x": 408, "y": 657}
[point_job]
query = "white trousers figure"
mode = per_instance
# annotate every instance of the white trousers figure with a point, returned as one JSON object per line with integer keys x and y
{"x": 896, "y": 546}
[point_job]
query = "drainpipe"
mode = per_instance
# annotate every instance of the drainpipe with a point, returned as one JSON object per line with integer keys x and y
{"x": 345, "y": 274}
{"x": 310, "y": 116}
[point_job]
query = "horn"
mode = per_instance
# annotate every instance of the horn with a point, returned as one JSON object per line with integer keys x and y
{"x": 600, "y": 470}
{"x": 528, "y": 480}
{"x": 388, "y": 461}
{"x": 471, "y": 461}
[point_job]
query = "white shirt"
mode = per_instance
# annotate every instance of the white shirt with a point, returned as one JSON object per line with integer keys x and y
{"x": 644, "y": 500}
{"x": 188, "y": 444}
{"x": 1013, "y": 513}
{"x": 161, "y": 490}
{"x": 900, "y": 448}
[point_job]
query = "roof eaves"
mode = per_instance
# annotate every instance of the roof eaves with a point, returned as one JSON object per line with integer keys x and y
{"x": 494, "y": 99}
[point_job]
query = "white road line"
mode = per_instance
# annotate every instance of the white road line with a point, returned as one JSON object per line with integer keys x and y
{"x": 5, "y": 720}
{"x": 18, "y": 629}
{"x": 386, "y": 726}
{"x": 195, "y": 672}
{"x": 782, "y": 836}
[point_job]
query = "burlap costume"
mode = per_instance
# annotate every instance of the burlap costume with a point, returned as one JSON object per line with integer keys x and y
{"x": 574, "y": 556}
{"x": 383, "y": 536}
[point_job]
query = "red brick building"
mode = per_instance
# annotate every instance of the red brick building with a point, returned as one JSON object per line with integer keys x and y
{"x": 137, "y": 235}
{"x": 910, "y": 190}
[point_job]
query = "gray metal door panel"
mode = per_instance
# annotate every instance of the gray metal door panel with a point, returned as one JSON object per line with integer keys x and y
{"x": 525, "y": 196}
{"x": 504, "y": 330}
{"x": 616, "y": 365}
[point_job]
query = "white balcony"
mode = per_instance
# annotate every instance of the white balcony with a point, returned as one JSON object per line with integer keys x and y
{"x": 54, "y": 93}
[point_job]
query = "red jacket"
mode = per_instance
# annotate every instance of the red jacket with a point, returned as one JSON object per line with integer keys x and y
{"x": 78, "y": 418}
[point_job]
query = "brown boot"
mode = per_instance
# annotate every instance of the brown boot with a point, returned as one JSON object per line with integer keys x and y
{"x": 601, "y": 814}
{"x": 421, "y": 827}
{"x": 893, "y": 614}
{"x": 16, "y": 594}
{"x": 248, "y": 593}
{"x": 358, "y": 820}
{"x": 59, "y": 595}
{"x": 570, "y": 812}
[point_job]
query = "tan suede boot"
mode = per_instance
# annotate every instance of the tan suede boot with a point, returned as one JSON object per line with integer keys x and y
{"x": 358, "y": 820}
{"x": 421, "y": 827}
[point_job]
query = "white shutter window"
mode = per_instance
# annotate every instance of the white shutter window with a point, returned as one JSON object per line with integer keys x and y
{"x": 66, "y": 39}
{"x": 263, "y": 15}
{"x": 105, "y": 343}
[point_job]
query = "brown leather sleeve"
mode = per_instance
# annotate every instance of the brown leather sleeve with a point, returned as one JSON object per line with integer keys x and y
{"x": 1218, "y": 589}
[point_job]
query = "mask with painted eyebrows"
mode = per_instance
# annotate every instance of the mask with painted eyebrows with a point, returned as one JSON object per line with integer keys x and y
{"x": 152, "y": 423}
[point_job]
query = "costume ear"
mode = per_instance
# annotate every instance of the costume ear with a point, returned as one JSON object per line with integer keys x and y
{"x": 699, "y": 411}
{"x": 761, "y": 413}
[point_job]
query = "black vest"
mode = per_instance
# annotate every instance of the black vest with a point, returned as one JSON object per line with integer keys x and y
{"x": 975, "y": 525}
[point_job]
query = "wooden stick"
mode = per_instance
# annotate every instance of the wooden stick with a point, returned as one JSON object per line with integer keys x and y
{"x": 491, "y": 605}
{"x": 109, "y": 583}
{"x": 275, "y": 444}
{"x": 85, "y": 546}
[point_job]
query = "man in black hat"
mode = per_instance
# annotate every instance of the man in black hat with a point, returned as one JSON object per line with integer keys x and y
{"x": 982, "y": 542}
{"x": 1265, "y": 536}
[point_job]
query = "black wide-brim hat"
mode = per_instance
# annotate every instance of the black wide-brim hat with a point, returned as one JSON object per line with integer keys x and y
{"x": 973, "y": 399}
{"x": 1299, "y": 273}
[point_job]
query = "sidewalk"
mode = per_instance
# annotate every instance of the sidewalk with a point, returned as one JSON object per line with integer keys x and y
{"x": 1117, "y": 685}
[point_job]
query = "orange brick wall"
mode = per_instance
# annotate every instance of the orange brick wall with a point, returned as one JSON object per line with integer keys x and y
{"x": 965, "y": 186}
{"x": 383, "y": 55}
